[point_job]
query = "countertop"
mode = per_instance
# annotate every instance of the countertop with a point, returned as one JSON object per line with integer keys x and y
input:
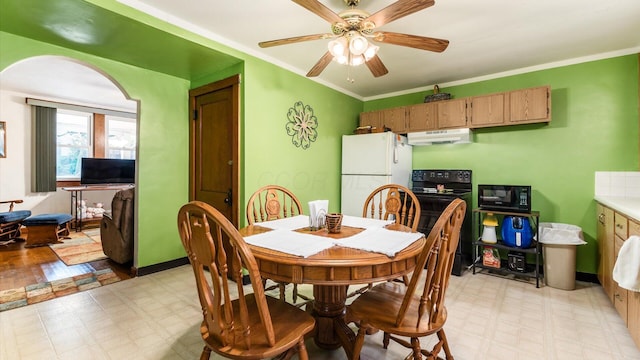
{"x": 629, "y": 206}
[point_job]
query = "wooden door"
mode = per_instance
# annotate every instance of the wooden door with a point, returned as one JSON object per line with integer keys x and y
{"x": 214, "y": 143}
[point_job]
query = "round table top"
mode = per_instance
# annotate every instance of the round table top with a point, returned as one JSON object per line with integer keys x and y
{"x": 336, "y": 265}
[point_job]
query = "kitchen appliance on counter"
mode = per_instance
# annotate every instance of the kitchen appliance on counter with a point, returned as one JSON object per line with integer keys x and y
{"x": 516, "y": 198}
{"x": 435, "y": 190}
{"x": 369, "y": 161}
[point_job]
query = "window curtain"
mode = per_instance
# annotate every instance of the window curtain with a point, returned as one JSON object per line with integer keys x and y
{"x": 44, "y": 179}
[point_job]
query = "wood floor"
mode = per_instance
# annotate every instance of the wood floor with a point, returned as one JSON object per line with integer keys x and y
{"x": 20, "y": 266}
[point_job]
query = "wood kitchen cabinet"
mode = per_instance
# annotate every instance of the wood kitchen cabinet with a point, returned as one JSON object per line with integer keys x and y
{"x": 371, "y": 118}
{"x": 612, "y": 230}
{"x": 395, "y": 119}
{"x": 452, "y": 113}
{"x": 488, "y": 110}
{"x": 517, "y": 107}
{"x": 605, "y": 235}
{"x": 422, "y": 117}
{"x": 530, "y": 105}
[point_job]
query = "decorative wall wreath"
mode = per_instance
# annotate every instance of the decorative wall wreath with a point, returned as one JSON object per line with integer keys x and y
{"x": 302, "y": 125}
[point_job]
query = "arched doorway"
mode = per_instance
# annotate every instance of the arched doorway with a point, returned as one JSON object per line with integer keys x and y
{"x": 59, "y": 80}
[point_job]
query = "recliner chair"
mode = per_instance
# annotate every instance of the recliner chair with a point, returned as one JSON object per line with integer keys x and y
{"x": 116, "y": 231}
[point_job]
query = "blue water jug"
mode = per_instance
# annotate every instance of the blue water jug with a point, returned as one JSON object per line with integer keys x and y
{"x": 516, "y": 231}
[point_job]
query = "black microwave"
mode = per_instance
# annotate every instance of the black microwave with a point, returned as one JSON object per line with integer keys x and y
{"x": 516, "y": 198}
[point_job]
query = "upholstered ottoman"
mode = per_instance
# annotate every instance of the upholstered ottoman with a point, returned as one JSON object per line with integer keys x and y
{"x": 46, "y": 229}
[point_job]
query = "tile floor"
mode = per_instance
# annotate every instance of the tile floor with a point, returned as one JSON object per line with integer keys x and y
{"x": 157, "y": 317}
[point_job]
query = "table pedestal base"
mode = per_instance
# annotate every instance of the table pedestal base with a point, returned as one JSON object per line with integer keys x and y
{"x": 329, "y": 309}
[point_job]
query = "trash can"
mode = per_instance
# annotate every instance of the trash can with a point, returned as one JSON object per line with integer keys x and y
{"x": 559, "y": 243}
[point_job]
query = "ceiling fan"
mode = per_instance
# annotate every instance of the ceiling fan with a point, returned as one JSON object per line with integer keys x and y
{"x": 351, "y": 28}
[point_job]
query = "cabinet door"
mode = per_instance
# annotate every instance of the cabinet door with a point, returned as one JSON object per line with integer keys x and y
{"x": 452, "y": 113}
{"x": 394, "y": 119}
{"x": 619, "y": 294}
{"x": 633, "y": 315}
{"x": 488, "y": 110}
{"x": 605, "y": 234}
{"x": 421, "y": 117}
{"x": 621, "y": 225}
{"x": 371, "y": 118}
{"x": 530, "y": 105}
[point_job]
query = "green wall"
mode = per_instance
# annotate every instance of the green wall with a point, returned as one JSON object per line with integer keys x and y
{"x": 162, "y": 185}
{"x": 267, "y": 153}
{"x": 594, "y": 127}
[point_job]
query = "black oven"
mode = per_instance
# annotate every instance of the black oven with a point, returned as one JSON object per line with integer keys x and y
{"x": 435, "y": 189}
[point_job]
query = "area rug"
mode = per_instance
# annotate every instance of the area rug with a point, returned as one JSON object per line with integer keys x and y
{"x": 31, "y": 294}
{"x": 82, "y": 247}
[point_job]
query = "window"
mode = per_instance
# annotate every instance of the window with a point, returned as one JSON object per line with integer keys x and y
{"x": 73, "y": 142}
{"x": 121, "y": 138}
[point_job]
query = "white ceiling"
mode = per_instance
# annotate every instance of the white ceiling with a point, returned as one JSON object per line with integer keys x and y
{"x": 488, "y": 38}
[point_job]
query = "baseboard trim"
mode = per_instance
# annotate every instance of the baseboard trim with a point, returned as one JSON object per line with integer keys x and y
{"x": 146, "y": 270}
{"x": 586, "y": 277}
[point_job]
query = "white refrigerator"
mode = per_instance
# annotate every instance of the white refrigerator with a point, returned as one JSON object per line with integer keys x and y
{"x": 369, "y": 161}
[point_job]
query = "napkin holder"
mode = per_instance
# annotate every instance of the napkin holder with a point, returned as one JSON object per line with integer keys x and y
{"x": 317, "y": 213}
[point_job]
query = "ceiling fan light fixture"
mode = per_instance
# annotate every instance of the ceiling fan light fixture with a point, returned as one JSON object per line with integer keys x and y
{"x": 357, "y": 60}
{"x": 338, "y": 47}
{"x": 371, "y": 51}
{"x": 357, "y": 43}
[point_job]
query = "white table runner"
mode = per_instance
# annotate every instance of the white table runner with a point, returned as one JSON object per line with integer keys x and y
{"x": 365, "y": 223}
{"x": 290, "y": 223}
{"x": 380, "y": 240}
{"x": 290, "y": 242}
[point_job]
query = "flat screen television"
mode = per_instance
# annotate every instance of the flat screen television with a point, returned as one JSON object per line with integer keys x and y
{"x": 95, "y": 171}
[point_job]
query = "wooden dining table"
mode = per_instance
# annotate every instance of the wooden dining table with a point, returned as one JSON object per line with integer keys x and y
{"x": 331, "y": 271}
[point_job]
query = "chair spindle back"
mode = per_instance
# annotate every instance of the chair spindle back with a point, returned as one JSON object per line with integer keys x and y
{"x": 272, "y": 202}
{"x": 437, "y": 255}
{"x": 396, "y": 200}
{"x": 203, "y": 231}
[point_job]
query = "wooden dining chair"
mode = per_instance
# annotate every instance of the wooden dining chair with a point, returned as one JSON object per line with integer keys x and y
{"x": 409, "y": 310}
{"x": 272, "y": 202}
{"x": 253, "y": 326}
{"x": 391, "y": 201}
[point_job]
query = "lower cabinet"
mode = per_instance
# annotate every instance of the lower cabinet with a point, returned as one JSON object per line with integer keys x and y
{"x": 613, "y": 229}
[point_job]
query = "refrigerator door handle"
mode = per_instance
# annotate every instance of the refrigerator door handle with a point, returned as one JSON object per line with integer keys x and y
{"x": 395, "y": 150}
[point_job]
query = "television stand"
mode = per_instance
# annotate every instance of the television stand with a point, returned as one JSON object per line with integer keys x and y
{"x": 76, "y": 196}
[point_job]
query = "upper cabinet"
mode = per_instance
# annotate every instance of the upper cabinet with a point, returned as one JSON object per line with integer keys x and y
{"x": 452, "y": 113}
{"x": 530, "y": 105}
{"x": 516, "y": 107}
{"x": 422, "y": 117}
{"x": 488, "y": 110}
{"x": 371, "y": 118}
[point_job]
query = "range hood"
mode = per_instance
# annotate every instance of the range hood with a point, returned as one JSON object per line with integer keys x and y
{"x": 452, "y": 136}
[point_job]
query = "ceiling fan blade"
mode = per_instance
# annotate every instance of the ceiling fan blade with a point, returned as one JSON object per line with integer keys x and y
{"x": 376, "y": 66}
{"x": 320, "y": 65}
{"x": 319, "y": 9}
{"x": 413, "y": 41}
{"x": 292, "y": 40}
{"x": 397, "y": 10}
